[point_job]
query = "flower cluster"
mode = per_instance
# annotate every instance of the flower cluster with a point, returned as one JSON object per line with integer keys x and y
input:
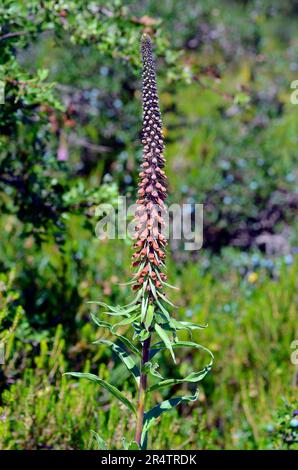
{"x": 147, "y": 314}
{"x": 150, "y": 242}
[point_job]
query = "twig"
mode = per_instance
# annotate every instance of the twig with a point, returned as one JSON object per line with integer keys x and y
{"x": 11, "y": 35}
{"x": 74, "y": 140}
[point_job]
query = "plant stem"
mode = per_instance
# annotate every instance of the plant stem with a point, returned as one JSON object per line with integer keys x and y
{"x": 142, "y": 391}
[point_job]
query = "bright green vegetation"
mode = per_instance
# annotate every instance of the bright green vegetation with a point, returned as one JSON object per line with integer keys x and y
{"x": 251, "y": 327}
{"x": 231, "y": 144}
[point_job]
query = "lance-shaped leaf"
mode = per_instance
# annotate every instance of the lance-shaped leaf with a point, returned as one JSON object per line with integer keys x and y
{"x": 153, "y": 290}
{"x": 116, "y": 311}
{"x": 164, "y": 337}
{"x": 163, "y": 282}
{"x": 144, "y": 308}
{"x": 123, "y": 339}
{"x": 164, "y": 310}
{"x": 126, "y": 321}
{"x": 149, "y": 316}
{"x": 136, "y": 299}
{"x": 106, "y": 385}
{"x": 191, "y": 378}
{"x": 124, "y": 356}
{"x": 157, "y": 347}
{"x": 185, "y": 325}
{"x": 151, "y": 415}
{"x": 101, "y": 323}
{"x": 163, "y": 297}
{"x": 192, "y": 344}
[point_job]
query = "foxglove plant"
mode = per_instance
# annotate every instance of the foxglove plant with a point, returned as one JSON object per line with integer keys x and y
{"x": 153, "y": 328}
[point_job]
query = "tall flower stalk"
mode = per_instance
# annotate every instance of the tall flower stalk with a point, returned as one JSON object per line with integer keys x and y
{"x": 149, "y": 252}
{"x": 147, "y": 317}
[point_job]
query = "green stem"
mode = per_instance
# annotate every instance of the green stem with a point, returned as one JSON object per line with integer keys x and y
{"x": 142, "y": 392}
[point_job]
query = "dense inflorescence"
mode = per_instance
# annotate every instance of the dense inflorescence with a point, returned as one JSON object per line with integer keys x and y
{"x": 147, "y": 314}
{"x": 150, "y": 240}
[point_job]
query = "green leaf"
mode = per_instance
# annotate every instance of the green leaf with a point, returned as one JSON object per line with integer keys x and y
{"x": 194, "y": 376}
{"x": 192, "y": 344}
{"x": 136, "y": 299}
{"x": 153, "y": 288}
{"x": 241, "y": 98}
{"x": 133, "y": 445}
{"x": 184, "y": 325}
{"x": 164, "y": 310}
{"x": 42, "y": 74}
{"x": 162, "y": 321}
{"x": 163, "y": 335}
{"x": 117, "y": 311}
{"x": 129, "y": 344}
{"x": 143, "y": 335}
{"x": 151, "y": 416}
{"x": 123, "y": 339}
{"x": 148, "y": 367}
{"x": 125, "y": 358}
{"x": 149, "y": 316}
{"x": 107, "y": 386}
{"x": 100, "y": 323}
{"x": 126, "y": 321}
{"x": 156, "y": 349}
{"x": 102, "y": 304}
{"x": 143, "y": 289}
{"x": 163, "y": 297}
{"x": 100, "y": 442}
{"x": 170, "y": 285}
{"x": 165, "y": 283}
{"x": 144, "y": 308}
{"x": 114, "y": 314}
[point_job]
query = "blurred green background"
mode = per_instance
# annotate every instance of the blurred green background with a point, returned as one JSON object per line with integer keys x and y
{"x": 70, "y": 139}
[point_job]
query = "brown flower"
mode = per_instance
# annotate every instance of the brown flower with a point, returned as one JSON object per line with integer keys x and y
{"x": 150, "y": 242}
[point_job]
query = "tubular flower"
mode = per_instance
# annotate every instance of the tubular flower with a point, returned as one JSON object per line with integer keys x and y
{"x": 150, "y": 241}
